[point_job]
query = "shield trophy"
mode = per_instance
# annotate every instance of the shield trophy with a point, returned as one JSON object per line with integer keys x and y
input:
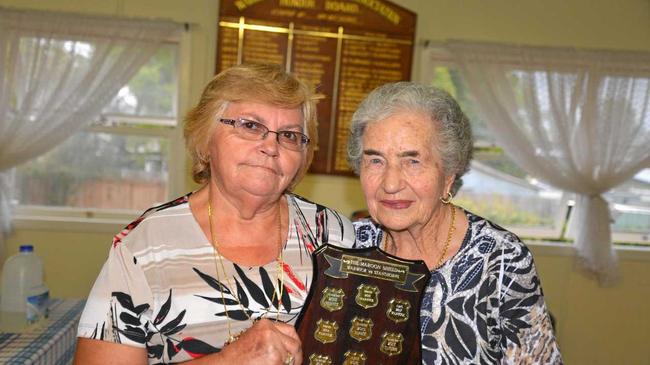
{"x": 363, "y": 308}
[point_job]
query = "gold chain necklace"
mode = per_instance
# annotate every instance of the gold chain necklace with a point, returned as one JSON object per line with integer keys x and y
{"x": 450, "y": 233}
{"x": 218, "y": 261}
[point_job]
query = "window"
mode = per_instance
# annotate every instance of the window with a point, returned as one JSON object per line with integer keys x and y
{"x": 124, "y": 162}
{"x": 498, "y": 189}
{"x": 630, "y": 209}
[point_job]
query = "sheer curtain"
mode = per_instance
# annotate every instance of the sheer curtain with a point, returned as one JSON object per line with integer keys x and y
{"x": 577, "y": 119}
{"x": 57, "y": 72}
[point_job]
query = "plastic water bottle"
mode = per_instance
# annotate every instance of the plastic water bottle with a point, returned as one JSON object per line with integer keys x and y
{"x": 25, "y": 297}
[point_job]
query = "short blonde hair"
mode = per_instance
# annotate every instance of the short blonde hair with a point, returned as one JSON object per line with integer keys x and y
{"x": 264, "y": 83}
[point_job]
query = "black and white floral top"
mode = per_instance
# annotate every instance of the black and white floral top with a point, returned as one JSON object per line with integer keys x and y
{"x": 485, "y": 304}
{"x": 159, "y": 289}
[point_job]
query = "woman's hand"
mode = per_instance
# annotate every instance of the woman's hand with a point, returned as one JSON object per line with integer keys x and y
{"x": 266, "y": 342}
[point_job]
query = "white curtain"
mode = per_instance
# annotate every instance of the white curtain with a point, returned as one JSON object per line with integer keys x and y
{"x": 57, "y": 72}
{"x": 577, "y": 119}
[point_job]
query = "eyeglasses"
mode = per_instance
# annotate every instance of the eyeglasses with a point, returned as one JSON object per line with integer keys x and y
{"x": 256, "y": 131}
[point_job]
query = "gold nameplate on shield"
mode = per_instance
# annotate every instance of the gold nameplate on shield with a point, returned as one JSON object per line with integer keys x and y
{"x": 367, "y": 296}
{"x": 398, "y": 310}
{"x": 375, "y": 269}
{"x": 326, "y": 331}
{"x": 391, "y": 343}
{"x": 332, "y": 299}
{"x": 361, "y": 328}
{"x": 354, "y": 358}
{"x": 318, "y": 359}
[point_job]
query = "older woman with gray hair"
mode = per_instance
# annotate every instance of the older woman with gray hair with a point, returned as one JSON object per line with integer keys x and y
{"x": 410, "y": 145}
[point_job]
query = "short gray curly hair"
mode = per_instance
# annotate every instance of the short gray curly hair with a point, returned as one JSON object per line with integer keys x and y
{"x": 453, "y": 127}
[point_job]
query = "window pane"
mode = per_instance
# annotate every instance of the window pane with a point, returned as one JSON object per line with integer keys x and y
{"x": 97, "y": 170}
{"x": 495, "y": 187}
{"x": 630, "y": 205}
{"x": 448, "y": 79}
{"x": 152, "y": 91}
{"x": 509, "y": 200}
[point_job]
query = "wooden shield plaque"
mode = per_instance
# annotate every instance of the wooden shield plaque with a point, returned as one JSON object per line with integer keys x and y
{"x": 363, "y": 308}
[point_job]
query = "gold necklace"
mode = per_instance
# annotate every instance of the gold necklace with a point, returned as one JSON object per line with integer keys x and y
{"x": 218, "y": 261}
{"x": 450, "y": 233}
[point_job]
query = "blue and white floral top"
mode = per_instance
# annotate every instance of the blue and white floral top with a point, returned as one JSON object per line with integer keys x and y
{"x": 485, "y": 304}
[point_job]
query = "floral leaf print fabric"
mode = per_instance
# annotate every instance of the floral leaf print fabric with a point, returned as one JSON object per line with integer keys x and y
{"x": 196, "y": 348}
{"x": 485, "y": 304}
{"x": 130, "y": 317}
{"x": 269, "y": 289}
{"x": 214, "y": 283}
{"x": 159, "y": 289}
{"x": 224, "y": 298}
{"x": 255, "y": 292}
{"x": 260, "y": 296}
{"x": 132, "y": 326}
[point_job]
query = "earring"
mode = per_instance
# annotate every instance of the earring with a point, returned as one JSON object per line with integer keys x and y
{"x": 447, "y": 198}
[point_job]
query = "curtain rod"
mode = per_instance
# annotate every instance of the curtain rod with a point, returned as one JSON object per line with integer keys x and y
{"x": 617, "y": 61}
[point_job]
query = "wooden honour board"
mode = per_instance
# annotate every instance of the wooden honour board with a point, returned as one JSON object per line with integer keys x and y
{"x": 345, "y": 48}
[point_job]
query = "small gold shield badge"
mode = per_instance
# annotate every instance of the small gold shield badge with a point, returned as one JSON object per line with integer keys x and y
{"x": 391, "y": 343}
{"x": 354, "y": 358}
{"x": 367, "y": 296}
{"x": 361, "y": 328}
{"x": 326, "y": 331}
{"x": 398, "y": 310}
{"x": 318, "y": 359}
{"x": 332, "y": 299}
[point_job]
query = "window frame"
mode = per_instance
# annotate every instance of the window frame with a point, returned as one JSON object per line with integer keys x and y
{"x": 36, "y": 217}
{"x": 434, "y": 55}
{"x": 539, "y": 233}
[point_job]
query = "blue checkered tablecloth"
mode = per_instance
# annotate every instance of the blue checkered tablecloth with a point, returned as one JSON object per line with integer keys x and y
{"x": 51, "y": 342}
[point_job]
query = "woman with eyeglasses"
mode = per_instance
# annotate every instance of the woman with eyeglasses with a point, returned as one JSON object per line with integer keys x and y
{"x": 219, "y": 275}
